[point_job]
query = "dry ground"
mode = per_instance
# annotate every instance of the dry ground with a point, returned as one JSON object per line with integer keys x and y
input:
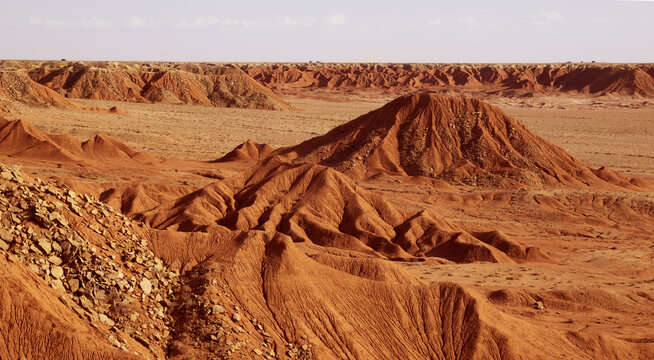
{"x": 622, "y": 139}
{"x": 601, "y": 242}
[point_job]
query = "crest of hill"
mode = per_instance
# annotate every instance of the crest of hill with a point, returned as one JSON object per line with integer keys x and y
{"x": 19, "y": 138}
{"x": 456, "y": 139}
{"x": 18, "y": 88}
{"x": 248, "y": 150}
{"x": 316, "y": 204}
{"x": 220, "y": 86}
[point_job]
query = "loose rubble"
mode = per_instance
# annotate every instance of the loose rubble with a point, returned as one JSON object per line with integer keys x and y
{"x": 116, "y": 282}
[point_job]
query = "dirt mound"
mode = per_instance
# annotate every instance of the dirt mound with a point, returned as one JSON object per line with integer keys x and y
{"x": 103, "y": 146}
{"x": 315, "y": 204}
{"x": 457, "y": 139}
{"x": 19, "y": 138}
{"x": 248, "y": 150}
{"x": 223, "y": 86}
{"x": 507, "y": 79}
{"x": 17, "y": 87}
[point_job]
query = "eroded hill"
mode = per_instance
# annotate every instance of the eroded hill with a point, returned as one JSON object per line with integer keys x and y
{"x": 211, "y": 85}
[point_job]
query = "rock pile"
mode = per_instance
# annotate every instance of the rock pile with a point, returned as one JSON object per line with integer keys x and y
{"x": 208, "y": 318}
{"x": 91, "y": 254}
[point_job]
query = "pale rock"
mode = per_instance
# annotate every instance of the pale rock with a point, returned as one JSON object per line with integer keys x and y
{"x": 56, "y": 272}
{"x": 146, "y": 286}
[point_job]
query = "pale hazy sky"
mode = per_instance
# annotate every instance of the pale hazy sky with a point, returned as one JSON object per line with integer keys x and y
{"x": 329, "y": 30}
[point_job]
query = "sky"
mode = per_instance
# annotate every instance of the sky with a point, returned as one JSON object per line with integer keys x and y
{"x": 329, "y": 31}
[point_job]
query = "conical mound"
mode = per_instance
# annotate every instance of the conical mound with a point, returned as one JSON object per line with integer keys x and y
{"x": 316, "y": 204}
{"x": 103, "y": 146}
{"x": 248, "y": 150}
{"x": 19, "y": 138}
{"x": 457, "y": 139}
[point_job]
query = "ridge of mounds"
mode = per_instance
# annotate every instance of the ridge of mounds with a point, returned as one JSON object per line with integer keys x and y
{"x": 595, "y": 79}
{"x": 248, "y": 150}
{"x": 16, "y": 87}
{"x": 316, "y": 204}
{"x": 219, "y": 85}
{"x": 19, "y": 138}
{"x": 303, "y": 301}
{"x": 457, "y": 139}
{"x": 77, "y": 279}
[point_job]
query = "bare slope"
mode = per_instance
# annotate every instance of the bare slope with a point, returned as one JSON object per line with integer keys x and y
{"x": 335, "y": 306}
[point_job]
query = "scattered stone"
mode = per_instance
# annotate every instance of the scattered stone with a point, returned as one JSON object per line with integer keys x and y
{"x": 539, "y": 305}
{"x": 6, "y": 235}
{"x": 55, "y": 260}
{"x": 236, "y": 317}
{"x": 34, "y": 268}
{"x": 105, "y": 290}
{"x": 113, "y": 341}
{"x": 218, "y": 309}
{"x": 73, "y": 285}
{"x": 56, "y": 247}
{"x": 45, "y": 246}
{"x": 57, "y": 284}
{"x": 146, "y": 286}
{"x": 56, "y": 272}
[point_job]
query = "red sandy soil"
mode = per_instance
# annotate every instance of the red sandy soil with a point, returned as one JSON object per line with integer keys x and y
{"x": 266, "y": 256}
{"x": 215, "y": 85}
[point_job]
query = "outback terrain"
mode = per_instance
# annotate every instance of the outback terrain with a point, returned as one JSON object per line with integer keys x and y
{"x": 326, "y": 211}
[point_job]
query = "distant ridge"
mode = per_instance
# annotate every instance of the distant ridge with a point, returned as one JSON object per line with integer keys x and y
{"x": 594, "y": 79}
{"x": 219, "y": 86}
